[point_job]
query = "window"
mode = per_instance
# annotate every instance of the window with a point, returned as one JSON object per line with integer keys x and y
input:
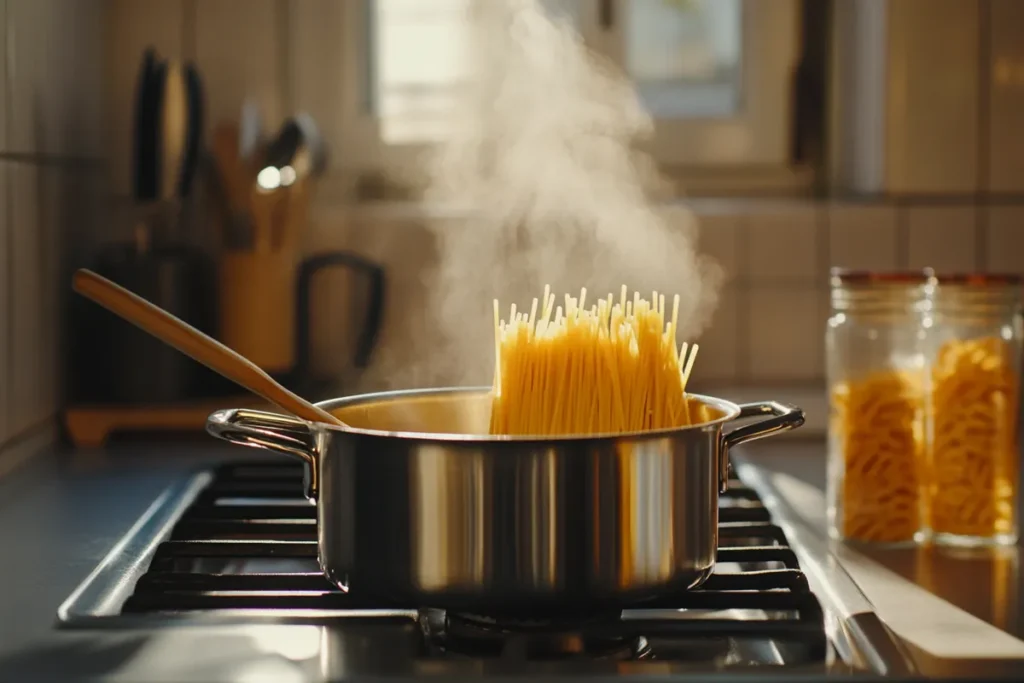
{"x": 415, "y": 63}
{"x": 714, "y": 74}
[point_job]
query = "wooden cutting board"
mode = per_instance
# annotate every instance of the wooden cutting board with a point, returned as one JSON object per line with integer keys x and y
{"x": 91, "y": 426}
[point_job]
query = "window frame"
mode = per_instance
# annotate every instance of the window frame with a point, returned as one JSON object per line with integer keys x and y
{"x": 759, "y": 134}
{"x": 757, "y": 139}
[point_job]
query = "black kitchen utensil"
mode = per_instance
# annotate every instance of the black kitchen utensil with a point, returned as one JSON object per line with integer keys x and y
{"x": 122, "y": 364}
{"x": 313, "y": 146}
{"x": 298, "y": 144}
{"x": 301, "y": 377}
{"x": 281, "y": 150}
{"x": 196, "y": 119}
{"x": 145, "y": 137}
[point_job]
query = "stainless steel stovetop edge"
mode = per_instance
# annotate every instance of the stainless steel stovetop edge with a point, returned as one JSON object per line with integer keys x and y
{"x": 855, "y": 626}
{"x": 102, "y": 593}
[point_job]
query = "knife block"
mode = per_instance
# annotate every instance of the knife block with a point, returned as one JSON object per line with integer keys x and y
{"x": 257, "y": 307}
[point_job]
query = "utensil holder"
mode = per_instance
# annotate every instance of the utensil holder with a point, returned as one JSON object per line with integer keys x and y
{"x": 257, "y": 306}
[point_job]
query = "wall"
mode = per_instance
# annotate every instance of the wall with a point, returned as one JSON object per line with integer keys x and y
{"x": 768, "y": 330}
{"x": 50, "y": 150}
{"x": 239, "y": 47}
{"x": 926, "y": 97}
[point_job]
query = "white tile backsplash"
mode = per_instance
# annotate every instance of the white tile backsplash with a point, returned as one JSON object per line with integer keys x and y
{"x": 781, "y": 242}
{"x": 785, "y": 341}
{"x": 769, "y": 326}
{"x": 1005, "y": 70}
{"x": 862, "y": 236}
{"x": 1005, "y": 239}
{"x": 941, "y": 237}
{"x": 5, "y": 299}
{"x": 133, "y": 27}
{"x": 285, "y": 55}
{"x": 932, "y": 102}
{"x": 717, "y": 359}
{"x": 239, "y": 55}
{"x": 3, "y": 70}
{"x": 30, "y": 79}
{"x": 719, "y": 238}
{"x": 27, "y": 322}
{"x": 316, "y": 79}
{"x": 55, "y": 97}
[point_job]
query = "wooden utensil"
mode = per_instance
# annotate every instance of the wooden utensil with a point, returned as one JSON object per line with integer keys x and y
{"x": 192, "y": 342}
{"x": 296, "y": 214}
{"x": 236, "y": 176}
{"x": 257, "y": 299}
{"x": 173, "y": 129}
{"x": 265, "y": 208}
{"x": 236, "y": 180}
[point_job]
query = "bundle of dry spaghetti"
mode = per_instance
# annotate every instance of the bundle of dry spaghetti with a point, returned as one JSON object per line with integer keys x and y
{"x": 611, "y": 368}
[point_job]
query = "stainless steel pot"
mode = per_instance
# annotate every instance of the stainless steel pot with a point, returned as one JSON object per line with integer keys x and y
{"x": 417, "y": 504}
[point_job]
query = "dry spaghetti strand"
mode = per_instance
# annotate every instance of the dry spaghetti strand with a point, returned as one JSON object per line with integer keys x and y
{"x": 609, "y": 367}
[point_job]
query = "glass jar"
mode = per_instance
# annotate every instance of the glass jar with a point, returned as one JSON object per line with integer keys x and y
{"x": 974, "y": 342}
{"x": 875, "y": 365}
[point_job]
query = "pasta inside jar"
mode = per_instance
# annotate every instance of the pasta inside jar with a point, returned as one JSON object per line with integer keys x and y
{"x": 877, "y": 428}
{"x": 974, "y": 441}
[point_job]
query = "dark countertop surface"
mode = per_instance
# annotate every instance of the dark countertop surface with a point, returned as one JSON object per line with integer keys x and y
{"x": 62, "y": 512}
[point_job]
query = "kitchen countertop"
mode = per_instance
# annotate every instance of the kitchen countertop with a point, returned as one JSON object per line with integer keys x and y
{"x": 958, "y": 611}
{"x": 61, "y": 512}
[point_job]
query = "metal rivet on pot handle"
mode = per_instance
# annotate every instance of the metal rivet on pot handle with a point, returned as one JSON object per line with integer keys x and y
{"x": 272, "y": 432}
{"x": 784, "y": 417}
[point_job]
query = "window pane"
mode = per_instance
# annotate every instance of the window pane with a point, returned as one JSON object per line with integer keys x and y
{"x": 418, "y": 56}
{"x": 685, "y": 55}
{"x": 418, "y": 48}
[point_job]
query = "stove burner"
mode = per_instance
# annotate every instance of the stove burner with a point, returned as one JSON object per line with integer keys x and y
{"x": 536, "y": 639}
{"x": 247, "y": 543}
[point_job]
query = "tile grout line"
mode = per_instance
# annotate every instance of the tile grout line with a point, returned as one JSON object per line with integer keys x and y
{"x": 984, "y": 133}
{"x": 743, "y": 294}
{"x": 8, "y": 62}
{"x": 9, "y": 218}
{"x": 59, "y": 160}
{"x": 43, "y": 327}
{"x": 284, "y": 11}
{"x": 902, "y": 235}
{"x": 822, "y": 289}
{"x": 188, "y": 30}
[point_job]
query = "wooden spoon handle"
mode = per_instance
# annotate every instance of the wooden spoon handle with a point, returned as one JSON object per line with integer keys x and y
{"x": 193, "y": 343}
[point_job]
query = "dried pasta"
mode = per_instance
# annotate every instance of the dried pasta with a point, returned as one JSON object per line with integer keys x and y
{"x": 974, "y": 439}
{"x": 877, "y": 430}
{"x": 611, "y": 368}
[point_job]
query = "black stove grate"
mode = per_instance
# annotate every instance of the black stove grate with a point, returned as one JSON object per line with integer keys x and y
{"x": 248, "y": 541}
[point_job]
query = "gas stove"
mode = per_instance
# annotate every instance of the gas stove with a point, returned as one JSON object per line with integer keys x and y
{"x": 229, "y": 555}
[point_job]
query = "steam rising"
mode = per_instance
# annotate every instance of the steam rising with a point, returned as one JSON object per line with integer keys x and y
{"x": 543, "y": 154}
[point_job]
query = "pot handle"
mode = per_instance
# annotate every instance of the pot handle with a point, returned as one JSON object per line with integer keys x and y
{"x": 784, "y": 418}
{"x": 272, "y": 432}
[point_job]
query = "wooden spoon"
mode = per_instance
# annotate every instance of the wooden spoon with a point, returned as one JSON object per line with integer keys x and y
{"x": 192, "y": 342}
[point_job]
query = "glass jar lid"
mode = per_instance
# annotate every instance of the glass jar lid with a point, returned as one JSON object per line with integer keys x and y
{"x": 879, "y": 291}
{"x": 845, "y": 277}
{"x": 977, "y": 293}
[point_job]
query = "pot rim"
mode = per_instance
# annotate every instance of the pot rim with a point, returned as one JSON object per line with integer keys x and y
{"x": 731, "y": 412}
